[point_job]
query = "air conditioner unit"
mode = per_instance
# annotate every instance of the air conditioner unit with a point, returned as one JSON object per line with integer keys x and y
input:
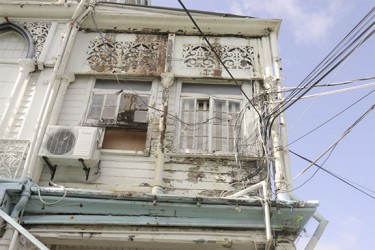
{"x": 71, "y": 146}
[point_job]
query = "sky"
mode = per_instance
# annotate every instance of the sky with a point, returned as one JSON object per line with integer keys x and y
{"x": 310, "y": 29}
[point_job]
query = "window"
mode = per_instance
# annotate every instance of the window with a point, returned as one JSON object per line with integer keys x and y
{"x": 12, "y": 46}
{"x": 121, "y": 108}
{"x": 210, "y": 123}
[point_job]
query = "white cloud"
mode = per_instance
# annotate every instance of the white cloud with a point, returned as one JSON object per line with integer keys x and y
{"x": 308, "y": 21}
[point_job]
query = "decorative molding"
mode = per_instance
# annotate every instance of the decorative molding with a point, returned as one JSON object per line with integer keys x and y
{"x": 38, "y": 32}
{"x": 117, "y": 57}
{"x": 12, "y": 156}
{"x": 234, "y": 57}
{"x": 26, "y": 65}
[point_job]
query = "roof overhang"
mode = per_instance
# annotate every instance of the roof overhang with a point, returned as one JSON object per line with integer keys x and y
{"x": 143, "y": 19}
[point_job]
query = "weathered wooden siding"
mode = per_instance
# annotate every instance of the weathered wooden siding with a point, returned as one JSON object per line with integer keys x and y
{"x": 206, "y": 177}
{"x": 75, "y": 102}
{"x": 117, "y": 173}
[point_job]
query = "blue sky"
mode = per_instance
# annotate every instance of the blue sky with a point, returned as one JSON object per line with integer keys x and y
{"x": 310, "y": 30}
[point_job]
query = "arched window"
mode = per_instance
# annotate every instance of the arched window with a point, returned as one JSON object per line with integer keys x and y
{"x": 12, "y": 45}
{"x": 15, "y": 42}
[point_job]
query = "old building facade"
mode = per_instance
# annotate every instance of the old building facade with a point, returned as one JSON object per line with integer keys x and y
{"x": 121, "y": 128}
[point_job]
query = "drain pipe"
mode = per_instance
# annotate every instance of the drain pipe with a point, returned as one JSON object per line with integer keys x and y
{"x": 318, "y": 231}
{"x": 282, "y": 161}
{"x": 267, "y": 214}
{"x": 54, "y": 84}
{"x": 5, "y": 241}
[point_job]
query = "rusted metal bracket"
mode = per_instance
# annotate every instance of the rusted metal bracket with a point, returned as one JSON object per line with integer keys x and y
{"x": 85, "y": 168}
{"x": 52, "y": 168}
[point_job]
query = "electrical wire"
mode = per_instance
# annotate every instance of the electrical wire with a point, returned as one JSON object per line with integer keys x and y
{"x": 353, "y": 40}
{"x": 335, "y": 143}
{"x": 339, "y": 91}
{"x": 330, "y": 119}
{"x": 288, "y": 89}
{"x": 218, "y": 57}
{"x": 55, "y": 202}
{"x": 316, "y": 171}
{"x": 332, "y": 174}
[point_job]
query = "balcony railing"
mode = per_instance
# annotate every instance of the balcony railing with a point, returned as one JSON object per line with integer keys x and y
{"x": 12, "y": 157}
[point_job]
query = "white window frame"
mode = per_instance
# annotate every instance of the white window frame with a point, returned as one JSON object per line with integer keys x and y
{"x": 182, "y": 127}
{"x": 106, "y": 93}
{"x": 149, "y": 94}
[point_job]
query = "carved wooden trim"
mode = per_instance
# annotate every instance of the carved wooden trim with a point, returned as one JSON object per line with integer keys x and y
{"x": 234, "y": 57}
{"x": 117, "y": 57}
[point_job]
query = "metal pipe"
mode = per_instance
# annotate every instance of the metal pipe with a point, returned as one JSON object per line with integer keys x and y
{"x": 267, "y": 217}
{"x": 318, "y": 231}
{"x": 5, "y": 241}
{"x": 53, "y": 87}
{"x": 247, "y": 190}
{"x": 23, "y": 231}
{"x": 43, "y": 117}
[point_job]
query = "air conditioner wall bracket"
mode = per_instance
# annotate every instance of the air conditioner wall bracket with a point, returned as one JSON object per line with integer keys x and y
{"x": 85, "y": 168}
{"x": 52, "y": 168}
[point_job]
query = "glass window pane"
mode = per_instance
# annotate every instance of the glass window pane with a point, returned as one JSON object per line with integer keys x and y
{"x": 188, "y": 104}
{"x": 142, "y": 102}
{"x": 94, "y": 112}
{"x": 111, "y": 100}
{"x": 109, "y": 113}
{"x": 97, "y": 99}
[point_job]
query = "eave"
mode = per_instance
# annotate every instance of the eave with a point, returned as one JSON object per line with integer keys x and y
{"x": 133, "y": 19}
{"x": 81, "y": 207}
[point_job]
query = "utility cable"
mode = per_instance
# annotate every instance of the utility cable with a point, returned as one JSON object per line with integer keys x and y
{"x": 330, "y": 119}
{"x": 356, "y": 37}
{"x": 218, "y": 57}
{"x": 339, "y": 91}
{"x": 335, "y": 143}
{"x": 334, "y": 175}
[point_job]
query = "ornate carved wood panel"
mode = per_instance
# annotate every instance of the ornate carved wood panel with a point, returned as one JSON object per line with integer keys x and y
{"x": 138, "y": 57}
{"x": 39, "y": 32}
{"x": 233, "y": 57}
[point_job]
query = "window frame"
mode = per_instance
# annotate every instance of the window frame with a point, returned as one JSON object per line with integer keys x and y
{"x": 149, "y": 94}
{"x": 237, "y": 98}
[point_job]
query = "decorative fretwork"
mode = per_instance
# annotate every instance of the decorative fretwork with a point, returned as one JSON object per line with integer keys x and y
{"x": 12, "y": 156}
{"x": 107, "y": 56}
{"x": 39, "y": 32}
{"x": 234, "y": 57}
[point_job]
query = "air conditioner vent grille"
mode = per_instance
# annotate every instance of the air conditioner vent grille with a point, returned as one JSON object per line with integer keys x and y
{"x": 61, "y": 142}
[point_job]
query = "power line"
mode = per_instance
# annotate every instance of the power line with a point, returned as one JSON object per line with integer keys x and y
{"x": 333, "y": 117}
{"x": 334, "y": 175}
{"x": 339, "y": 91}
{"x": 218, "y": 56}
{"x": 353, "y": 40}
{"x": 289, "y": 89}
{"x": 336, "y": 142}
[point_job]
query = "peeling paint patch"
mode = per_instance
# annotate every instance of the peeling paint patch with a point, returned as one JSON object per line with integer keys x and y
{"x": 211, "y": 193}
{"x": 194, "y": 174}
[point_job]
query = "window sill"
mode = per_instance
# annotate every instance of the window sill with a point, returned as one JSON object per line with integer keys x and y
{"x": 124, "y": 152}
